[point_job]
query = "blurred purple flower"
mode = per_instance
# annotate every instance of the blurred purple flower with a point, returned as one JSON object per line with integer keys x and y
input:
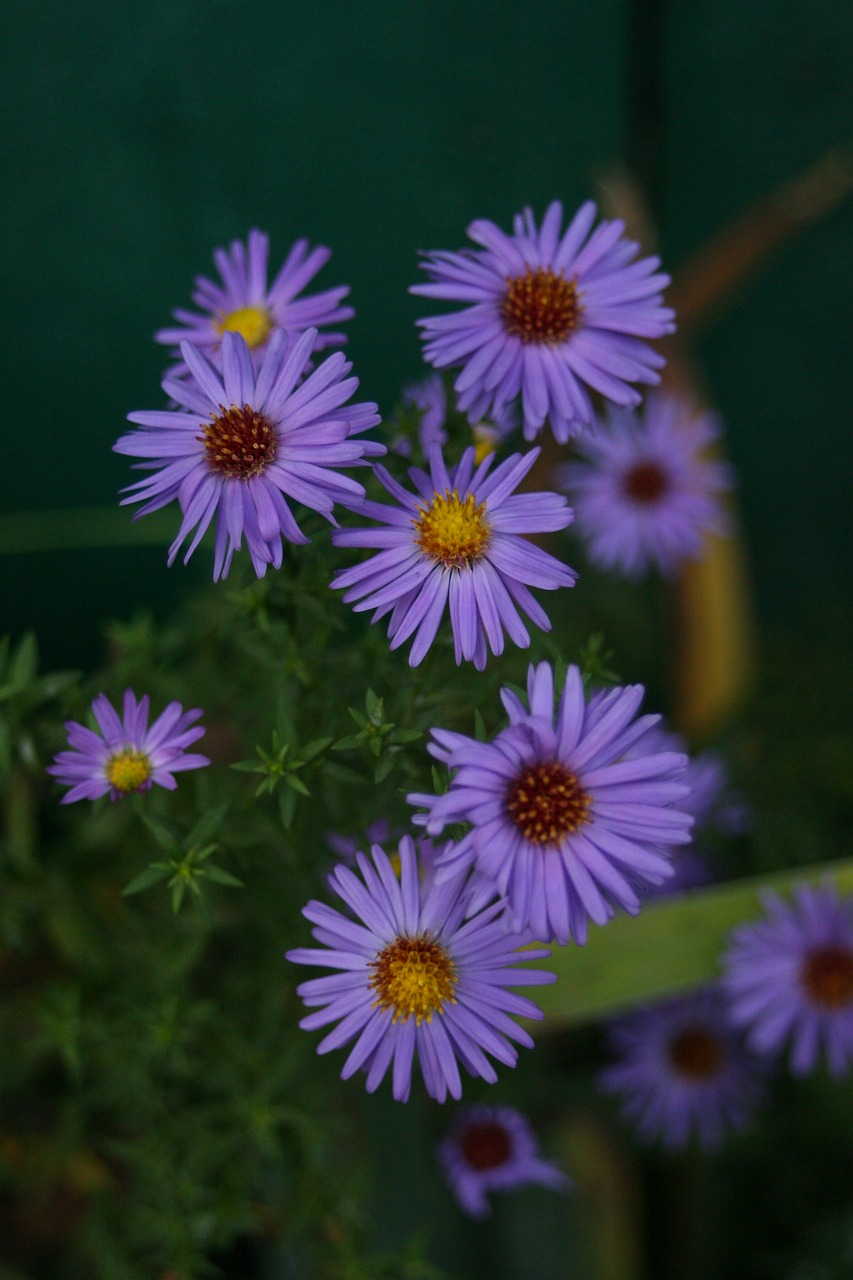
{"x": 493, "y": 1149}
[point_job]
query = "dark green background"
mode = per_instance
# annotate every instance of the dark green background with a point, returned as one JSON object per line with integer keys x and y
{"x": 138, "y": 136}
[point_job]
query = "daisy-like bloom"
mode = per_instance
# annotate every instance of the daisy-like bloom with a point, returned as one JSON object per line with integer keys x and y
{"x": 550, "y": 314}
{"x": 243, "y": 441}
{"x": 493, "y": 1149}
{"x": 128, "y": 754}
{"x": 789, "y": 978}
{"x": 562, "y": 824}
{"x": 430, "y": 397}
{"x": 456, "y": 542}
{"x": 645, "y": 495}
{"x": 683, "y": 1071}
{"x": 245, "y": 303}
{"x": 415, "y": 978}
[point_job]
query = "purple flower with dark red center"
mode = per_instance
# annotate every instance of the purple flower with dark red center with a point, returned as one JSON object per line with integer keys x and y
{"x": 562, "y": 824}
{"x": 456, "y": 543}
{"x": 414, "y": 978}
{"x": 646, "y": 495}
{"x": 682, "y": 1071}
{"x": 247, "y": 304}
{"x": 493, "y": 1149}
{"x": 128, "y": 754}
{"x": 789, "y": 978}
{"x": 243, "y": 441}
{"x": 551, "y": 313}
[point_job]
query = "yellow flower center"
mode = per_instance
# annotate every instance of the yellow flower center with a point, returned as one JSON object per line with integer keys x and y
{"x": 453, "y": 530}
{"x": 485, "y": 442}
{"x": 128, "y": 770}
{"x": 252, "y": 323}
{"x": 413, "y": 976}
{"x": 541, "y": 306}
{"x": 547, "y": 803}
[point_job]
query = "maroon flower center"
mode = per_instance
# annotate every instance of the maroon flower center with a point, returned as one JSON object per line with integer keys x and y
{"x": 827, "y": 976}
{"x": 645, "y": 483}
{"x": 547, "y": 803}
{"x": 696, "y": 1053}
{"x": 239, "y": 443}
{"x": 541, "y": 306}
{"x": 485, "y": 1145}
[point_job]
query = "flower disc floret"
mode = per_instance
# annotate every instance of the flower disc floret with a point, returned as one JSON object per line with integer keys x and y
{"x": 254, "y": 325}
{"x": 127, "y": 754}
{"x": 549, "y": 316}
{"x": 418, "y": 975}
{"x": 245, "y": 442}
{"x": 562, "y": 823}
{"x": 789, "y": 978}
{"x": 456, "y": 543}
{"x": 646, "y": 492}
{"x": 683, "y": 1072}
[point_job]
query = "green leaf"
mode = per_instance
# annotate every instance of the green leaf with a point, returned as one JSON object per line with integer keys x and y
{"x": 296, "y": 782}
{"x": 400, "y": 736}
{"x": 479, "y": 726}
{"x": 218, "y": 876}
{"x": 349, "y": 743}
{"x": 314, "y": 748}
{"x": 383, "y": 768}
{"x": 160, "y": 832}
{"x": 23, "y": 667}
{"x": 151, "y": 875}
{"x": 669, "y": 947}
{"x": 178, "y": 888}
{"x": 207, "y": 825}
{"x": 286, "y": 807}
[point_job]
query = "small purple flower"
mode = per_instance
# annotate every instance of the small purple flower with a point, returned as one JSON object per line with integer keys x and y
{"x": 682, "y": 1071}
{"x": 645, "y": 494}
{"x": 493, "y": 1149}
{"x": 245, "y": 303}
{"x": 550, "y": 314}
{"x": 456, "y": 543}
{"x": 789, "y": 978}
{"x": 127, "y": 755}
{"x": 561, "y": 823}
{"x": 415, "y": 978}
{"x": 246, "y": 440}
{"x": 430, "y": 397}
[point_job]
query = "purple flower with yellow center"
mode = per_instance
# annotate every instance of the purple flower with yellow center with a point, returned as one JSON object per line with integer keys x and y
{"x": 493, "y": 1149}
{"x": 645, "y": 492}
{"x": 562, "y": 825}
{"x": 551, "y": 313}
{"x": 683, "y": 1071}
{"x": 415, "y": 978}
{"x": 127, "y": 755}
{"x": 456, "y": 543}
{"x": 247, "y": 304}
{"x": 244, "y": 440}
{"x": 789, "y": 978}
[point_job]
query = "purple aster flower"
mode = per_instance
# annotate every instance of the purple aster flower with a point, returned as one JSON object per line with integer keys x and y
{"x": 646, "y": 497}
{"x": 683, "y": 1071}
{"x": 456, "y": 542}
{"x": 127, "y": 755}
{"x": 562, "y": 824}
{"x": 246, "y": 440}
{"x": 789, "y": 978}
{"x": 415, "y": 978}
{"x": 551, "y": 313}
{"x": 245, "y": 303}
{"x": 493, "y": 1149}
{"x": 430, "y": 397}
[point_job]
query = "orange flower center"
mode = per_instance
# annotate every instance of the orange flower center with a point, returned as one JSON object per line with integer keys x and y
{"x": 827, "y": 976}
{"x": 239, "y": 443}
{"x": 413, "y": 976}
{"x": 547, "y": 803}
{"x": 541, "y": 306}
{"x": 453, "y": 530}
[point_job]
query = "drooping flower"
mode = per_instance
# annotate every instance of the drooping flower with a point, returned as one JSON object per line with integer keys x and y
{"x": 245, "y": 303}
{"x": 682, "y": 1071}
{"x": 493, "y": 1149}
{"x": 127, "y": 755}
{"x": 550, "y": 314}
{"x": 561, "y": 823}
{"x": 646, "y": 496}
{"x": 789, "y": 978}
{"x": 430, "y": 398}
{"x": 414, "y": 978}
{"x": 244, "y": 441}
{"x": 456, "y": 543}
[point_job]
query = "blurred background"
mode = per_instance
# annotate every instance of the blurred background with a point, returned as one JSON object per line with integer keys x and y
{"x": 138, "y": 137}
